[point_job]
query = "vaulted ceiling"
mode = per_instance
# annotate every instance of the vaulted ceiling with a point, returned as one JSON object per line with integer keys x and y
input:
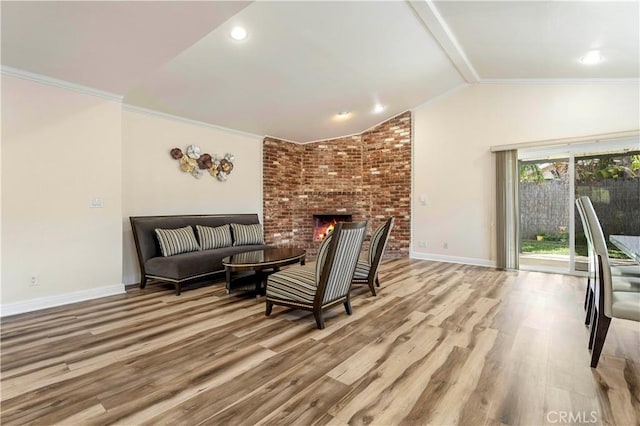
{"x": 303, "y": 62}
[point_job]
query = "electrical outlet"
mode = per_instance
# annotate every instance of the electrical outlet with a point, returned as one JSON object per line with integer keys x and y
{"x": 422, "y": 243}
{"x": 34, "y": 280}
{"x": 445, "y": 245}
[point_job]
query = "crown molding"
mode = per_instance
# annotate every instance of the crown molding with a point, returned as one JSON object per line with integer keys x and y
{"x": 345, "y": 136}
{"x": 340, "y": 137}
{"x": 167, "y": 116}
{"x": 533, "y": 81}
{"x": 360, "y": 133}
{"x": 284, "y": 140}
{"x": 428, "y": 13}
{"x": 61, "y": 84}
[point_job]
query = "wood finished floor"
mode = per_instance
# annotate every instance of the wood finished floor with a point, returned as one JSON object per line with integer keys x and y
{"x": 441, "y": 344}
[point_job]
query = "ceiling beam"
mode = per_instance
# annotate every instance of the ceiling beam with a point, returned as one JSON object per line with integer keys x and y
{"x": 427, "y": 12}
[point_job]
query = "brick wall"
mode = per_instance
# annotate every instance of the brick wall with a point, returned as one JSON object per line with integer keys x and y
{"x": 367, "y": 176}
{"x": 387, "y": 178}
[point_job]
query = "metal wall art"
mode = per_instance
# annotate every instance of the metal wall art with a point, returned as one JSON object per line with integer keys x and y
{"x": 196, "y": 163}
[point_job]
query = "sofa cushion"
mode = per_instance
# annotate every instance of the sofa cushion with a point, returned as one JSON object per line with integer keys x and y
{"x": 216, "y": 237}
{"x": 176, "y": 241}
{"x": 195, "y": 264}
{"x": 247, "y": 234}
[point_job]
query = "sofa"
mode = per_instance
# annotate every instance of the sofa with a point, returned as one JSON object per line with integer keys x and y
{"x": 156, "y": 239}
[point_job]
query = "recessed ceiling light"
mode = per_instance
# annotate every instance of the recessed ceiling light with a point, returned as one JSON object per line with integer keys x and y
{"x": 591, "y": 58}
{"x": 238, "y": 33}
{"x": 343, "y": 114}
{"x": 378, "y": 108}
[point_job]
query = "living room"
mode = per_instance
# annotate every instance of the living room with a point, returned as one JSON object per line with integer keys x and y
{"x": 78, "y": 160}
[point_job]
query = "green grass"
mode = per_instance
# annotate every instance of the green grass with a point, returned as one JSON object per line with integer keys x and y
{"x": 545, "y": 247}
{"x": 560, "y": 247}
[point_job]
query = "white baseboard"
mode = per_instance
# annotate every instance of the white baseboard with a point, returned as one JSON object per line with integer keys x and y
{"x": 453, "y": 259}
{"x": 59, "y": 299}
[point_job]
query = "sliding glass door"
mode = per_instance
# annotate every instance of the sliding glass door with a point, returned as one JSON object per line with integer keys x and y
{"x": 552, "y": 237}
{"x": 612, "y": 182}
{"x": 545, "y": 214}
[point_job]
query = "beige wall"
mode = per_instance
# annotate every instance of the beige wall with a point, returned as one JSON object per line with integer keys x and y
{"x": 454, "y": 169}
{"x": 60, "y": 149}
{"x": 155, "y": 185}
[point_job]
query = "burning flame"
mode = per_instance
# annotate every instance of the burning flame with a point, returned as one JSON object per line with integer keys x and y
{"x": 326, "y": 231}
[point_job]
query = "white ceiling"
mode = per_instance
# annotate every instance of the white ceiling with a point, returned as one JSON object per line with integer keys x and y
{"x": 305, "y": 61}
{"x": 520, "y": 39}
{"x": 111, "y": 45}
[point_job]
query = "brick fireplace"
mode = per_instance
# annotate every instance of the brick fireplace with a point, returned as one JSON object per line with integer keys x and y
{"x": 367, "y": 177}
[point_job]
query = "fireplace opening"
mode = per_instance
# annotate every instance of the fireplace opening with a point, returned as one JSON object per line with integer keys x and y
{"x": 324, "y": 223}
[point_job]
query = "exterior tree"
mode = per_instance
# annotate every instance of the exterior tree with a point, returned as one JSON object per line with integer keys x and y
{"x": 608, "y": 167}
{"x": 530, "y": 172}
{"x": 587, "y": 169}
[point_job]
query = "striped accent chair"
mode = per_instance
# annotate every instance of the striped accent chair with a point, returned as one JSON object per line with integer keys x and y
{"x": 329, "y": 283}
{"x": 367, "y": 270}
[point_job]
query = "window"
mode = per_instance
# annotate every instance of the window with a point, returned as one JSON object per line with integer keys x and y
{"x": 608, "y": 172}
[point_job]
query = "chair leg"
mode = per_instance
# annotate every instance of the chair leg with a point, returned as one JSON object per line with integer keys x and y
{"x": 586, "y": 293}
{"x": 177, "y": 289}
{"x": 377, "y": 281}
{"x": 594, "y": 325}
{"x": 372, "y": 287}
{"x": 602, "y": 327}
{"x": 347, "y": 306}
{"x": 588, "y": 306}
{"x": 269, "y": 308}
{"x": 319, "y": 319}
{"x": 143, "y": 282}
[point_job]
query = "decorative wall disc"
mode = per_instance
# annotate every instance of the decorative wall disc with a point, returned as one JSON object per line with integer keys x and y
{"x": 193, "y": 151}
{"x": 196, "y": 163}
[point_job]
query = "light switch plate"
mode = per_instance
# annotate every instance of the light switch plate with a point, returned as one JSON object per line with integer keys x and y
{"x": 96, "y": 203}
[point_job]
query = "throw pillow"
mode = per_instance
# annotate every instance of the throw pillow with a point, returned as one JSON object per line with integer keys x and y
{"x": 214, "y": 237}
{"x": 176, "y": 241}
{"x": 247, "y": 234}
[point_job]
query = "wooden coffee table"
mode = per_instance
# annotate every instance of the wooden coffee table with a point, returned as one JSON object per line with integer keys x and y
{"x": 262, "y": 262}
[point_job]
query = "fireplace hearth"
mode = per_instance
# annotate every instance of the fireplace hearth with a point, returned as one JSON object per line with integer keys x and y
{"x": 324, "y": 223}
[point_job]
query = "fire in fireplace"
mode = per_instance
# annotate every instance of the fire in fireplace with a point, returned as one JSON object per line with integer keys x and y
{"x": 324, "y": 223}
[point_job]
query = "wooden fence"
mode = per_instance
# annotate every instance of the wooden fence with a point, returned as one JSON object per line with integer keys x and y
{"x": 544, "y": 206}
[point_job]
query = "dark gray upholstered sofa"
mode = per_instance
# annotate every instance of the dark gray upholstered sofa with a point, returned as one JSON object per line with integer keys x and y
{"x": 183, "y": 267}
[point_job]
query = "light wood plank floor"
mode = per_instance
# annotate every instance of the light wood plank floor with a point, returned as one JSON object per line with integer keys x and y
{"x": 441, "y": 344}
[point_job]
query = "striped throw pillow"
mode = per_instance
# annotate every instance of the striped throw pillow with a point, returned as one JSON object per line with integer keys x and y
{"x": 176, "y": 241}
{"x": 247, "y": 234}
{"x": 214, "y": 237}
